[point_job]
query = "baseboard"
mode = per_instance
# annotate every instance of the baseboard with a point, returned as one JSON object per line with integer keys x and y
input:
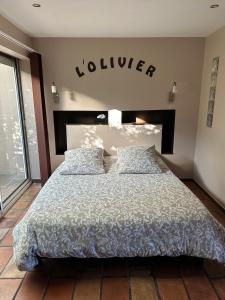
{"x": 36, "y": 180}
{"x": 186, "y": 179}
{"x": 219, "y": 203}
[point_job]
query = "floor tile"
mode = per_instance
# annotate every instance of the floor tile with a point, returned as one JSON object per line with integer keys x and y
{"x": 33, "y": 287}
{"x": 7, "y": 240}
{"x": 197, "y": 284}
{"x": 87, "y": 289}
{"x": 7, "y": 223}
{"x": 171, "y": 288}
{"x": 214, "y": 269}
{"x": 21, "y": 217}
{"x": 26, "y": 198}
{"x": 115, "y": 288}
{"x": 3, "y": 232}
{"x": 5, "y": 255}
{"x": 169, "y": 282}
{"x": 60, "y": 289}
{"x": 11, "y": 271}
{"x": 8, "y": 288}
{"x": 13, "y": 213}
{"x": 219, "y": 285}
{"x": 21, "y": 205}
{"x": 31, "y": 193}
{"x": 143, "y": 288}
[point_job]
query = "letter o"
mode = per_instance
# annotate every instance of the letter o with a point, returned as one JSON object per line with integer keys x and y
{"x": 91, "y": 66}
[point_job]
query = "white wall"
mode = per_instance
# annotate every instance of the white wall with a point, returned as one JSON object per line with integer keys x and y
{"x": 176, "y": 59}
{"x": 11, "y": 30}
{"x": 209, "y": 169}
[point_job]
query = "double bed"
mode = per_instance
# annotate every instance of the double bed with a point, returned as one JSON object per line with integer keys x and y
{"x": 116, "y": 215}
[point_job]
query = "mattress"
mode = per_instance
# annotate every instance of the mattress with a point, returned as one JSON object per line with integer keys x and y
{"x": 116, "y": 215}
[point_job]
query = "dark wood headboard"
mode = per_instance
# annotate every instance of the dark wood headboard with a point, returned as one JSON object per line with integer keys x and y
{"x": 166, "y": 118}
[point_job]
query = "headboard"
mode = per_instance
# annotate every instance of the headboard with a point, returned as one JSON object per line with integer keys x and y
{"x": 165, "y": 118}
{"x": 110, "y": 138}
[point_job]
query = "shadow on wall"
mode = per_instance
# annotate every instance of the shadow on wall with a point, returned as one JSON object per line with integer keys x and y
{"x": 109, "y": 138}
{"x": 111, "y": 96}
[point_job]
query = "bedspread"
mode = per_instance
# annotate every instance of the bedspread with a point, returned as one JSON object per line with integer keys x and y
{"x": 116, "y": 215}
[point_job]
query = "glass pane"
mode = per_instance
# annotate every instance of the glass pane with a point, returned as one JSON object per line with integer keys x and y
{"x": 12, "y": 159}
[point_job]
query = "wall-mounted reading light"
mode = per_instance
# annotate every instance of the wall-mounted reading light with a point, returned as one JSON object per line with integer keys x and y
{"x": 101, "y": 116}
{"x": 114, "y": 118}
{"x": 36, "y": 5}
{"x": 173, "y": 92}
{"x": 140, "y": 121}
{"x": 55, "y": 92}
{"x": 214, "y": 5}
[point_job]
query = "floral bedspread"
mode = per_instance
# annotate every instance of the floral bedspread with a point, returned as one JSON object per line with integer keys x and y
{"x": 116, "y": 215}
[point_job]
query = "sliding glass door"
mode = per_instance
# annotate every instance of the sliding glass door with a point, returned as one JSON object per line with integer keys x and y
{"x": 13, "y": 155}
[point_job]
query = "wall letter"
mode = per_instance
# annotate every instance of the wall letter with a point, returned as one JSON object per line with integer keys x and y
{"x": 103, "y": 67}
{"x": 112, "y": 62}
{"x": 121, "y": 62}
{"x": 80, "y": 74}
{"x": 151, "y": 69}
{"x": 130, "y": 63}
{"x": 91, "y": 66}
{"x": 140, "y": 65}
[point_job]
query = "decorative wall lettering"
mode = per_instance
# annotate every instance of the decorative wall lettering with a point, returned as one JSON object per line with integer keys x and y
{"x": 212, "y": 91}
{"x": 91, "y": 66}
{"x": 113, "y": 62}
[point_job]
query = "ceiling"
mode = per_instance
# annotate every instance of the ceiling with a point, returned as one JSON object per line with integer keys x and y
{"x": 115, "y": 18}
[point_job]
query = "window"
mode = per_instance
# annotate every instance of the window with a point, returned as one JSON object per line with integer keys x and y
{"x": 14, "y": 171}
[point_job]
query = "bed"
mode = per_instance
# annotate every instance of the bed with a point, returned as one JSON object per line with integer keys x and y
{"x": 116, "y": 215}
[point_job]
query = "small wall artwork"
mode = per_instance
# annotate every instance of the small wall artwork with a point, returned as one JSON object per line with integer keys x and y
{"x": 212, "y": 91}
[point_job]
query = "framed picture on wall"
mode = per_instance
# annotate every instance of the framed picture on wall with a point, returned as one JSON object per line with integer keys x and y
{"x": 212, "y": 91}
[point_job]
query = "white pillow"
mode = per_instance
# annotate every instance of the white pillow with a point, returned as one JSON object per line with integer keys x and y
{"x": 137, "y": 160}
{"x": 83, "y": 161}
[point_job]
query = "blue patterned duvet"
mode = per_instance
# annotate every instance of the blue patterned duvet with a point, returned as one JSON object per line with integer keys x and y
{"x": 116, "y": 215}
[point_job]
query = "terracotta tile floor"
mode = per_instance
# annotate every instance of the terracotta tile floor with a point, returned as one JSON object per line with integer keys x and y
{"x": 108, "y": 279}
